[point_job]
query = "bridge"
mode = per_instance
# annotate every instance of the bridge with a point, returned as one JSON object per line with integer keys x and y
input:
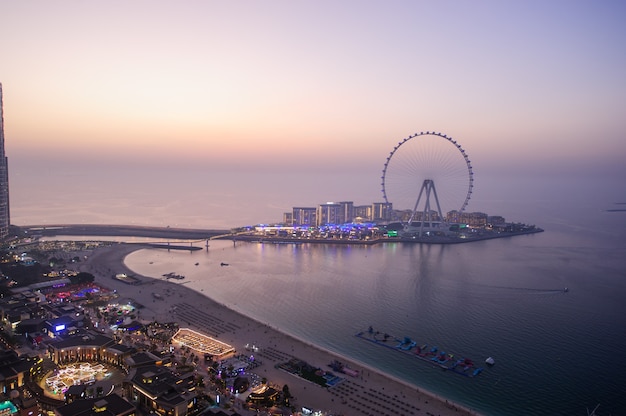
{"x": 168, "y": 233}
{"x": 174, "y": 237}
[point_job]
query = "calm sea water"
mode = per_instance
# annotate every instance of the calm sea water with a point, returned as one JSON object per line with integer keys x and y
{"x": 556, "y": 352}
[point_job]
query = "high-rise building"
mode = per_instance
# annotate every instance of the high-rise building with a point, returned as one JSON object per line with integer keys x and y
{"x": 347, "y": 211}
{"x": 382, "y": 211}
{"x": 329, "y": 213}
{"x": 362, "y": 213}
{"x": 4, "y": 179}
{"x": 304, "y": 216}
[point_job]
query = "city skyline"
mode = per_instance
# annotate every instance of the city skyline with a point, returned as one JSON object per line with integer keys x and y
{"x": 254, "y": 99}
{"x": 158, "y": 121}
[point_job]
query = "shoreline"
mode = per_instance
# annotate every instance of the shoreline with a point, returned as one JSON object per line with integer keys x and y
{"x": 105, "y": 262}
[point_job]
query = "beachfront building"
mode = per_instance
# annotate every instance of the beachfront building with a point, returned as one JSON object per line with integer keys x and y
{"x": 111, "y": 405}
{"x": 14, "y": 370}
{"x": 14, "y": 379}
{"x": 473, "y": 219}
{"x": 154, "y": 388}
{"x": 264, "y": 396}
{"x": 4, "y": 179}
{"x": 22, "y": 306}
{"x": 142, "y": 359}
{"x": 495, "y": 220}
{"x": 88, "y": 346}
{"x": 203, "y": 344}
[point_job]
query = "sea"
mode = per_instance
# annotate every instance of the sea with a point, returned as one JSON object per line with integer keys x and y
{"x": 550, "y": 308}
{"x": 557, "y": 352}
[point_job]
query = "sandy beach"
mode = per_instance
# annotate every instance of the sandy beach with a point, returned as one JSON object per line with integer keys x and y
{"x": 371, "y": 393}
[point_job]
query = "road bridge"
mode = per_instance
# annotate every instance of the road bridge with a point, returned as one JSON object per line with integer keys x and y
{"x": 123, "y": 231}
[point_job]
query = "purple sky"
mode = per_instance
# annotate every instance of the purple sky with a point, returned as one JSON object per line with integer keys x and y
{"x": 528, "y": 88}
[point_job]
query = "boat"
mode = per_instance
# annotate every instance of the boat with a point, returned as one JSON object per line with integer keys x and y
{"x": 477, "y": 371}
{"x": 490, "y": 361}
{"x": 223, "y": 264}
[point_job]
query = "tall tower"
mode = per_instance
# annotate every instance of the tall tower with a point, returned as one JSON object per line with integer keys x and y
{"x": 4, "y": 179}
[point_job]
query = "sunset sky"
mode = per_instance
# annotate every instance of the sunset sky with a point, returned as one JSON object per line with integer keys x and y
{"x": 281, "y": 87}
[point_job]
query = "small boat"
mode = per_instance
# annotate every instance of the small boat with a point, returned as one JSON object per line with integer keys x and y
{"x": 223, "y": 264}
{"x": 566, "y": 290}
{"x": 197, "y": 264}
{"x": 490, "y": 361}
{"x": 477, "y": 371}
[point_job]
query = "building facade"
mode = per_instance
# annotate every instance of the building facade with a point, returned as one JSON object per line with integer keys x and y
{"x": 157, "y": 390}
{"x": 362, "y": 213}
{"x": 4, "y": 179}
{"x": 382, "y": 211}
{"x": 329, "y": 213}
{"x": 304, "y": 216}
{"x": 347, "y": 211}
{"x": 88, "y": 346}
{"x": 473, "y": 219}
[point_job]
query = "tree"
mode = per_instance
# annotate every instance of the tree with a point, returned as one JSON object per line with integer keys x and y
{"x": 286, "y": 396}
{"x": 286, "y": 391}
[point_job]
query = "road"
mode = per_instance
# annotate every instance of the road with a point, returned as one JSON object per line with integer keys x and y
{"x": 122, "y": 230}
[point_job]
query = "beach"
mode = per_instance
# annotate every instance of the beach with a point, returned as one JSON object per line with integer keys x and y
{"x": 167, "y": 300}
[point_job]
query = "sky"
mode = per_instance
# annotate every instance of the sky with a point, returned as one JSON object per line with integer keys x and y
{"x": 317, "y": 90}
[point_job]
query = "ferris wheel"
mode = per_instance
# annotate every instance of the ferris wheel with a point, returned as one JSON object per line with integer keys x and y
{"x": 427, "y": 173}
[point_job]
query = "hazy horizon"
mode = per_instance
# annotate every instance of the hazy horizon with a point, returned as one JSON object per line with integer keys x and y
{"x": 226, "y": 112}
